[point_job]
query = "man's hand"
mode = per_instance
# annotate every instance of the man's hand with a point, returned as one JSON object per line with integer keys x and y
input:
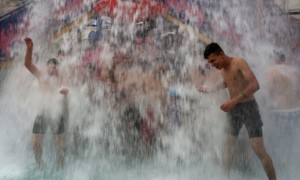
{"x": 29, "y": 43}
{"x": 204, "y": 89}
{"x": 228, "y": 105}
{"x": 64, "y": 91}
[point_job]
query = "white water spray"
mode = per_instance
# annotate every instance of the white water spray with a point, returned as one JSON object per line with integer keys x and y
{"x": 193, "y": 151}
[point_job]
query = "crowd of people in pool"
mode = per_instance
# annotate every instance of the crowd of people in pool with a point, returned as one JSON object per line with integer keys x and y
{"x": 139, "y": 86}
{"x": 135, "y": 86}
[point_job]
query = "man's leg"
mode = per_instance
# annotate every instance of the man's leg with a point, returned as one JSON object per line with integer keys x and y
{"x": 229, "y": 149}
{"x": 37, "y": 145}
{"x": 259, "y": 149}
{"x": 75, "y": 141}
{"x": 59, "y": 141}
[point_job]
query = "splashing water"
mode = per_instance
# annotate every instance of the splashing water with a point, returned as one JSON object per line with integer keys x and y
{"x": 101, "y": 140}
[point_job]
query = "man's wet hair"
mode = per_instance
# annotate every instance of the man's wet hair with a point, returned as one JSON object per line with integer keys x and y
{"x": 53, "y": 61}
{"x": 90, "y": 65}
{"x": 60, "y": 52}
{"x": 212, "y": 48}
{"x": 280, "y": 57}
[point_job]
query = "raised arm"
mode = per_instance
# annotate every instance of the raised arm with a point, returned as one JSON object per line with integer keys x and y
{"x": 28, "y": 57}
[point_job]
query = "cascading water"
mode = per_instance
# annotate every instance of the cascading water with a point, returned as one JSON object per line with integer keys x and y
{"x": 182, "y": 141}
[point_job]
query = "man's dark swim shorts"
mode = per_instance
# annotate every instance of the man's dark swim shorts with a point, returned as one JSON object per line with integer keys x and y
{"x": 42, "y": 121}
{"x": 245, "y": 113}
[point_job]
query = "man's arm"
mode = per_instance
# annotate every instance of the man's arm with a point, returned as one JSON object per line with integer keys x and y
{"x": 249, "y": 76}
{"x": 217, "y": 87}
{"x": 252, "y": 83}
{"x": 270, "y": 78}
{"x": 28, "y": 57}
{"x": 218, "y": 83}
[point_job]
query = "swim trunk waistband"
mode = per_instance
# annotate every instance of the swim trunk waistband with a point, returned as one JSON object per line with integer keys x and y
{"x": 294, "y": 110}
{"x": 287, "y": 114}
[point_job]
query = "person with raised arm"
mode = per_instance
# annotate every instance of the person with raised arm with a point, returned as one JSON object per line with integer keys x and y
{"x": 54, "y": 107}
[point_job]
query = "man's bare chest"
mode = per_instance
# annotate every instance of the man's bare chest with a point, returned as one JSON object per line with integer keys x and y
{"x": 233, "y": 76}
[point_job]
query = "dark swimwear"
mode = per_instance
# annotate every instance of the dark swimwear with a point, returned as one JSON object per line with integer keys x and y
{"x": 132, "y": 114}
{"x": 245, "y": 113}
{"x": 42, "y": 121}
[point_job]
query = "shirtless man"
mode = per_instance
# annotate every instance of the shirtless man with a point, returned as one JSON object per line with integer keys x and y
{"x": 241, "y": 83}
{"x": 283, "y": 84}
{"x": 283, "y": 87}
{"x": 48, "y": 83}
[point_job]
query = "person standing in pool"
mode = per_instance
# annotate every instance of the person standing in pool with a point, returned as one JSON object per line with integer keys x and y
{"x": 283, "y": 87}
{"x": 242, "y": 108}
{"x": 54, "y": 107}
